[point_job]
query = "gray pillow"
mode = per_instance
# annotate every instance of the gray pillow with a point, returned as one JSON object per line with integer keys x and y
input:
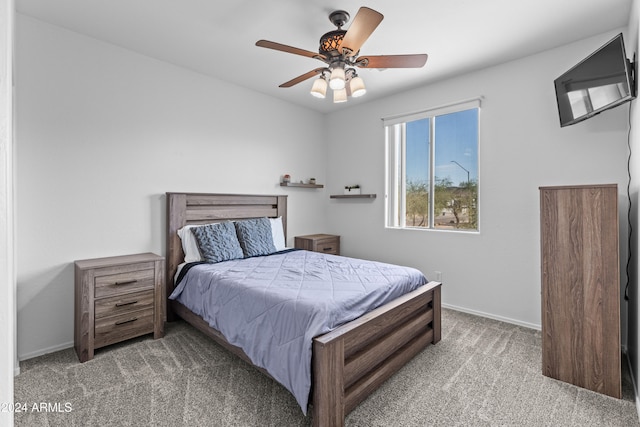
{"x": 218, "y": 242}
{"x": 255, "y": 236}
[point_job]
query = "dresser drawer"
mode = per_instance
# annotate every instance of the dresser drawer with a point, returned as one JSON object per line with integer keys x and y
{"x": 131, "y": 281}
{"x": 126, "y": 303}
{"x": 109, "y": 330}
{"x": 327, "y": 246}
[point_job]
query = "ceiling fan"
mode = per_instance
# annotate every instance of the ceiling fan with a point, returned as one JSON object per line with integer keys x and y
{"x": 339, "y": 49}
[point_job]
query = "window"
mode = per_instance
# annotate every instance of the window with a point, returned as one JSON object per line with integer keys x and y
{"x": 432, "y": 168}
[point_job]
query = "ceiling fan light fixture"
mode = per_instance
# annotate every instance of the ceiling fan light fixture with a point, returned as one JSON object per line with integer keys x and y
{"x": 319, "y": 88}
{"x": 340, "y": 95}
{"x": 337, "y": 79}
{"x": 356, "y": 84}
{"x": 339, "y": 50}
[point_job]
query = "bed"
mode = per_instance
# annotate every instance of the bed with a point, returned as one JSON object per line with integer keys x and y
{"x": 349, "y": 362}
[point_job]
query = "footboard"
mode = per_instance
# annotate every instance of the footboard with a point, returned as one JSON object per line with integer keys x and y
{"x": 352, "y": 361}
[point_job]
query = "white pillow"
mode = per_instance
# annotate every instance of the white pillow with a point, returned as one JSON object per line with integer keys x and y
{"x": 278, "y": 233}
{"x": 189, "y": 244}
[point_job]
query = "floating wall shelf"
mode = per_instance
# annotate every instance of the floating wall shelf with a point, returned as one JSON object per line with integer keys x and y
{"x": 353, "y": 196}
{"x": 293, "y": 184}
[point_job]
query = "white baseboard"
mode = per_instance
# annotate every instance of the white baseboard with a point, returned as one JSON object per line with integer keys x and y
{"x": 493, "y": 316}
{"x": 44, "y": 351}
{"x": 623, "y": 347}
{"x": 633, "y": 382}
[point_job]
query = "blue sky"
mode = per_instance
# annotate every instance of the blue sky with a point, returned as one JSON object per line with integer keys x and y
{"x": 456, "y": 140}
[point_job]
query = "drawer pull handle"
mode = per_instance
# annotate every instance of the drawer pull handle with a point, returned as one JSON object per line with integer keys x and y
{"x": 126, "y": 282}
{"x": 122, "y": 304}
{"x": 327, "y": 249}
{"x": 126, "y": 321}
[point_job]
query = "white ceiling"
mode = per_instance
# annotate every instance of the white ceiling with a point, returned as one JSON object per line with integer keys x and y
{"x": 217, "y": 37}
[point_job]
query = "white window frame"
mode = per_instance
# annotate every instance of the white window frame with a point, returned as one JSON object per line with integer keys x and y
{"x": 395, "y": 161}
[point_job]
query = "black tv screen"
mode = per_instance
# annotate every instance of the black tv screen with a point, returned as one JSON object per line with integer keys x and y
{"x": 601, "y": 81}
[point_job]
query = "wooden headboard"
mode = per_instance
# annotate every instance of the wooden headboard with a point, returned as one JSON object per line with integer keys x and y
{"x": 203, "y": 208}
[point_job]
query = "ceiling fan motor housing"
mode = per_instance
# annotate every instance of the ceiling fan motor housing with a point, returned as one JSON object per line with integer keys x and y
{"x": 330, "y": 42}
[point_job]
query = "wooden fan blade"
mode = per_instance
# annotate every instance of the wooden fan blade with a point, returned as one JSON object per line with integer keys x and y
{"x": 302, "y": 78}
{"x": 392, "y": 61}
{"x": 364, "y": 23}
{"x": 289, "y": 49}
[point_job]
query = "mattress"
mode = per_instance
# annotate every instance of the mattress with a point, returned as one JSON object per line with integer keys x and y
{"x": 273, "y": 306}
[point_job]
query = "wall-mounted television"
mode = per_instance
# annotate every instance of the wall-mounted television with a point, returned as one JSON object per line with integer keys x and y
{"x": 603, "y": 80}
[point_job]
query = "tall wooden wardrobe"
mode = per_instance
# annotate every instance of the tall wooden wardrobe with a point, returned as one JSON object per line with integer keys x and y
{"x": 581, "y": 286}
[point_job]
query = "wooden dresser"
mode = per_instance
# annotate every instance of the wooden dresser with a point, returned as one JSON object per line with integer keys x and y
{"x": 117, "y": 298}
{"x": 325, "y": 243}
{"x": 581, "y": 286}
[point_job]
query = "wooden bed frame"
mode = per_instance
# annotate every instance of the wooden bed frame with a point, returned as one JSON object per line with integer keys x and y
{"x": 350, "y": 362}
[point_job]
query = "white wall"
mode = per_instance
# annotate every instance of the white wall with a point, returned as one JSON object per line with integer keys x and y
{"x": 103, "y": 133}
{"x": 7, "y": 271}
{"x": 633, "y": 42}
{"x": 522, "y": 147}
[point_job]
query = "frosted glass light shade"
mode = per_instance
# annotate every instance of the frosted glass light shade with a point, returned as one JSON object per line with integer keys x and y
{"x": 340, "y": 95}
{"x": 337, "y": 78}
{"x": 357, "y": 87}
{"x": 319, "y": 88}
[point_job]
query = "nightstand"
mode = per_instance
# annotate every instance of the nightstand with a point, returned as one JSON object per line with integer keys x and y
{"x": 117, "y": 298}
{"x": 325, "y": 243}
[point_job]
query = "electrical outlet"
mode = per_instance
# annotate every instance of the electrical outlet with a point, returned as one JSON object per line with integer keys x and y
{"x": 439, "y": 276}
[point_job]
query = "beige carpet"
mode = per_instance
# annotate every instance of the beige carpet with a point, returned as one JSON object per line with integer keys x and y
{"x": 482, "y": 373}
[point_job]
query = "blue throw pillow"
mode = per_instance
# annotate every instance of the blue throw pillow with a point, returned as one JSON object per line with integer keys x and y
{"x": 218, "y": 242}
{"x": 255, "y": 236}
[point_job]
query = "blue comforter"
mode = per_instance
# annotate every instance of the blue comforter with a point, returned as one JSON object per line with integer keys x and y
{"x": 273, "y": 306}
